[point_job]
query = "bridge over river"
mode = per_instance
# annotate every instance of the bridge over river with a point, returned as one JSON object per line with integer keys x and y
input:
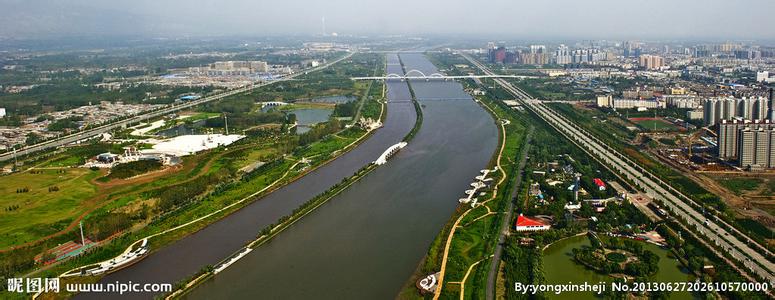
{"x": 365, "y": 242}
{"x": 415, "y": 74}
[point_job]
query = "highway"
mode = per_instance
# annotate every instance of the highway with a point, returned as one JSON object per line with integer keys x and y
{"x": 750, "y": 254}
{"x": 435, "y": 76}
{"x": 89, "y": 133}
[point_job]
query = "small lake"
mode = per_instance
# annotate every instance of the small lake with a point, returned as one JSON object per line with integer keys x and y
{"x": 560, "y": 268}
{"x": 306, "y": 118}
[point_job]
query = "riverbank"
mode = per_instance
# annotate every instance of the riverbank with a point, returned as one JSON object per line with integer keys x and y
{"x": 310, "y": 159}
{"x": 288, "y": 221}
{"x": 382, "y": 225}
{"x": 510, "y": 134}
{"x": 472, "y": 238}
{"x": 417, "y": 107}
{"x": 187, "y": 285}
{"x": 161, "y": 239}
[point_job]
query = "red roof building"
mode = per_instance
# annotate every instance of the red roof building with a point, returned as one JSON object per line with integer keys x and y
{"x": 600, "y": 184}
{"x": 530, "y": 224}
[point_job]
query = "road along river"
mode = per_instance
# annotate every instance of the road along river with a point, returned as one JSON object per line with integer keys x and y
{"x": 366, "y": 242}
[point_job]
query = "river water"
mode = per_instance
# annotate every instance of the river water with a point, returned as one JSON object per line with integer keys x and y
{"x": 220, "y": 239}
{"x": 367, "y": 241}
{"x": 364, "y": 242}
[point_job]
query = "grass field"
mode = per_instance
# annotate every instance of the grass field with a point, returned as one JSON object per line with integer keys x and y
{"x": 39, "y": 212}
{"x": 740, "y": 185}
{"x": 475, "y": 237}
{"x": 63, "y": 161}
{"x": 202, "y": 116}
{"x": 650, "y": 124}
{"x": 39, "y": 215}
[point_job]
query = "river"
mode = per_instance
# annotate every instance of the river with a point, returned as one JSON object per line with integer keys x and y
{"x": 367, "y": 241}
{"x": 220, "y": 239}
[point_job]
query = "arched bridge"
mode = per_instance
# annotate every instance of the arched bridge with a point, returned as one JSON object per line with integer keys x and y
{"x": 419, "y": 75}
{"x": 382, "y": 159}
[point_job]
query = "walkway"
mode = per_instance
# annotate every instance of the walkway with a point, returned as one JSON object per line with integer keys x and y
{"x": 437, "y": 293}
{"x": 493, "y": 275}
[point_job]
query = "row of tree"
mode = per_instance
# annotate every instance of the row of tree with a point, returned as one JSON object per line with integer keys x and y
{"x": 521, "y": 265}
{"x": 133, "y": 168}
{"x": 318, "y": 132}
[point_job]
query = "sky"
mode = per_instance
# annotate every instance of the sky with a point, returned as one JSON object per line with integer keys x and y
{"x": 533, "y": 19}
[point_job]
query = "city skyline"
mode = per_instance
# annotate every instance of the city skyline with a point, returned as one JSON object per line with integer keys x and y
{"x": 547, "y": 20}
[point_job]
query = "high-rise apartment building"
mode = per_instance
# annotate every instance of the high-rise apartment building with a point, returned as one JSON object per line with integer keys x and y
{"x": 752, "y": 144}
{"x": 717, "y": 109}
{"x": 497, "y": 55}
{"x": 563, "y": 55}
{"x": 651, "y": 62}
{"x": 755, "y": 150}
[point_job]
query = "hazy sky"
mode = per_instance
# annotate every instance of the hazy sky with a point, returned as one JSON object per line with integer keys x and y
{"x": 723, "y": 19}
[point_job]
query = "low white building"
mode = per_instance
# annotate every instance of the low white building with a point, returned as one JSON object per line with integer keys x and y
{"x": 694, "y": 115}
{"x": 764, "y": 76}
{"x": 189, "y": 144}
{"x": 633, "y": 103}
{"x": 572, "y": 207}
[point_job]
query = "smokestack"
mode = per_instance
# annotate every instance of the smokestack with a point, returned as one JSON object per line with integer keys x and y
{"x": 323, "y": 20}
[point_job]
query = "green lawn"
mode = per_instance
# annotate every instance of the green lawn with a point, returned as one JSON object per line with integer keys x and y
{"x": 660, "y": 125}
{"x": 63, "y": 161}
{"x": 41, "y": 212}
{"x": 202, "y": 116}
{"x": 257, "y": 155}
{"x": 739, "y": 185}
{"x": 755, "y": 228}
{"x": 474, "y": 239}
{"x": 51, "y": 214}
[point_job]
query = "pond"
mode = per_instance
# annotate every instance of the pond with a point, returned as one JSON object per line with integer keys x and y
{"x": 306, "y": 118}
{"x": 560, "y": 268}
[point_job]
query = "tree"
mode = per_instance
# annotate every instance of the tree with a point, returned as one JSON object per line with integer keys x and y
{"x": 586, "y": 210}
{"x": 33, "y": 138}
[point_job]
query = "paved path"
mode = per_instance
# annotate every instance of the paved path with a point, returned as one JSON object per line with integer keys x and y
{"x": 437, "y": 293}
{"x": 493, "y": 275}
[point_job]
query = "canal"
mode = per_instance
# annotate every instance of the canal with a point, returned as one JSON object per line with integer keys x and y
{"x": 367, "y": 241}
{"x": 220, "y": 239}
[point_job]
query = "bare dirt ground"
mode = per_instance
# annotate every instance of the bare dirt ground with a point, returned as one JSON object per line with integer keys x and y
{"x": 754, "y": 205}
